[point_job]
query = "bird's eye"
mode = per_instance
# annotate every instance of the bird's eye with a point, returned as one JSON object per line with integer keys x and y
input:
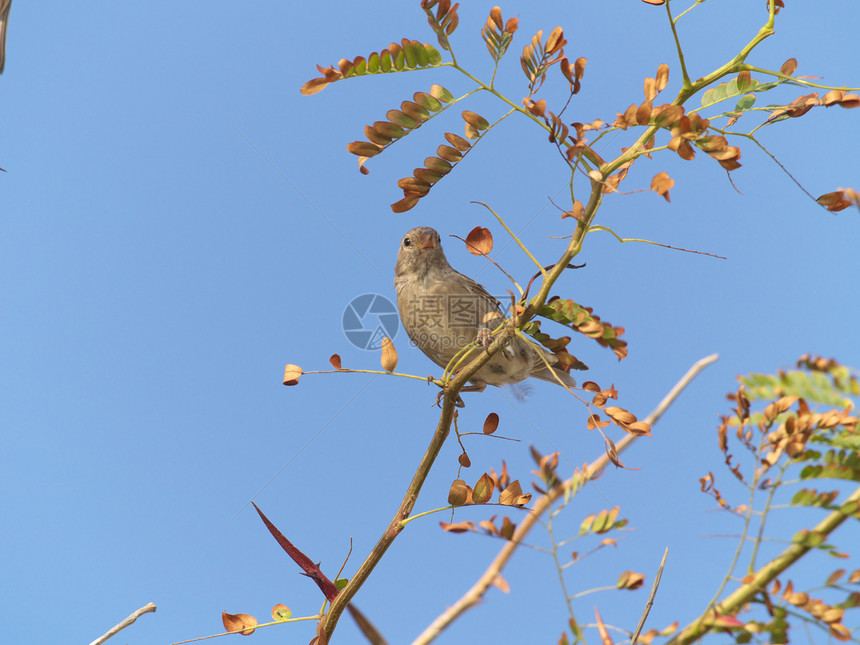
{"x": 407, "y": 241}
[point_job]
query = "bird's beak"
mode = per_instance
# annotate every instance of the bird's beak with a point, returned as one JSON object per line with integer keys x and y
{"x": 427, "y": 241}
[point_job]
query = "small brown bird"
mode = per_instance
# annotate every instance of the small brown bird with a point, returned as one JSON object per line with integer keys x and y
{"x": 443, "y": 311}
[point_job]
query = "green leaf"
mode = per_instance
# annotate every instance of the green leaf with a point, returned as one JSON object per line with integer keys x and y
{"x": 725, "y": 91}
{"x": 403, "y": 120}
{"x": 745, "y": 103}
{"x": 814, "y": 387}
{"x": 433, "y": 55}
{"x": 399, "y": 60}
{"x": 583, "y": 320}
{"x": 373, "y": 63}
{"x": 838, "y": 464}
{"x": 764, "y": 87}
{"x": 439, "y": 92}
{"x": 385, "y": 61}
{"x": 805, "y": 497}
{"x": 808, "y": 538}
{"x": 847, "y": 441}
{"x": 411, "y": 55}
{"x": 483, "y": 490}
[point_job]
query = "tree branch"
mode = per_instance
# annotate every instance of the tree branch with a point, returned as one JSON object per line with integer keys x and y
{"x": 125, "y": 623}
{"x": 651, "y": 596}
{"x": 761, "y": 578}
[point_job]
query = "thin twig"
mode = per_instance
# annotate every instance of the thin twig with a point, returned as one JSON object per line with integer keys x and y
{"x": 474, "y": 250}
{"x": 543, "y": 503}
{"x": 650, "y": 602}
{"x": 128, "y": 621}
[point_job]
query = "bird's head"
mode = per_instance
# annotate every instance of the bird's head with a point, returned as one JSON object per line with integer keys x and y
{"x": 420, "y": 249}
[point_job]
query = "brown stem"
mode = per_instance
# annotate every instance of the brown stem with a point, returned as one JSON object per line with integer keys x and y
{"x": 339, "y": 604}
{"x": 125, "y": 623}
{"x": 651, "y": 597}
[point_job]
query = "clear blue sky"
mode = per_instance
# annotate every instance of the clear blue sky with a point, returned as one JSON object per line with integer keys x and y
{"x": 179, "y": 222}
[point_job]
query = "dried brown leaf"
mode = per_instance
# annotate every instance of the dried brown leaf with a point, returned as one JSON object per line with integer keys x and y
{"x": 639, "y": 428}
{"x": 512, "y": 493}
{"x": 479, "y": 241}
{"x": 850, "y": 101}
{"x": 458, "y": 527}
{"x": 508, "y": 528}
{"x": 840, "y": 632}
{"x": 555, "y": 41}
{"x": 413, "y": 185}
{"x": 576, "y": 212}
{"x": 661, "y": 183}
{"x": 292, "y": 373}
{"x": 620, "y": 415}
{"x": 363, "y": 148}
{"x": 500, "y": 583}
{"x": 650, "y": 88}
{"x": 438, "y": 165}
{"x": 594, "y": 421}
{"x": 605, "y": 639}
{"x": 666, "y": 116}
{"x": 537, "y": 108}
{"x": 662, "y": 76}
{"x": 475, "y": 120}
{"x": 630, "y": 580}
{"x": 788, "y": 67}
{"x": 496, "y": 16}
{"x": 414, "y": 111}
{"x": 449, "y": 154}
{"x": 834, "y": 202}
{"x": 388, "y": 359}
{"x": 242, "y": 623}
{"x": 459, "y": 493}
{"x": 683, "y": 148}
{"x": 406, "y": 203}
{"x": 491, "y": 423}
{"x": 458, "y": 142}
{"x": 643, "y": 113}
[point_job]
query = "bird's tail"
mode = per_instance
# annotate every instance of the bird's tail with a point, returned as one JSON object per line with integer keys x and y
{"x": 553, "y": 375}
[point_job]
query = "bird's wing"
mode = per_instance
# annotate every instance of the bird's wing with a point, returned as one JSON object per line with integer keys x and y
{"x": 478, "y": 289}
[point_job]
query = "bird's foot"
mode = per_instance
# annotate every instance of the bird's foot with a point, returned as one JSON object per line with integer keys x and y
{"x": 443, "y": 391}
{"x": 458, "y": 403}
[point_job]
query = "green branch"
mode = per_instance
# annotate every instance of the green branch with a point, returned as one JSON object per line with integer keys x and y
{"x": 761, "y": 578}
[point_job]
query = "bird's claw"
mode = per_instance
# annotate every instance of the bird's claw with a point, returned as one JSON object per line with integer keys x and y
{"x": 458, "y": 403}
{"x": 442, "y": 391}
